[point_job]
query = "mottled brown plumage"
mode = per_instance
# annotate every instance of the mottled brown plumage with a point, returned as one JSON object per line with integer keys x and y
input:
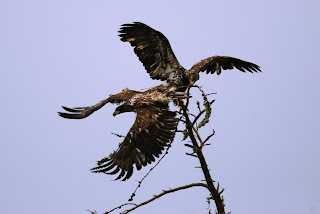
{"x": 154, "y": 51}
{"x": 152, "y": 131}
{"x": 155, "y": 126}
{"x": 83, "y": 112}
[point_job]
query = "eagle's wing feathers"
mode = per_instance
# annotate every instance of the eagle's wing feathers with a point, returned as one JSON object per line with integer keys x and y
{"x": 83, "y": 112}
{"x": 153, "y": 130}
{"x": 214, "y": 64}
{"x": 152, "y": 48}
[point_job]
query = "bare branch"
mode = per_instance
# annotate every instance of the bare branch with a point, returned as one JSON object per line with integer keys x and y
{"x": 211, "y": 93}
{"x": 192, "y": 115}
{"x": 200, "y": 113}
{"x": 198, "y": 105}
{"x": 192, "y": 154}
{"x": 206, "y": 110}
{"x": 118, "y": 135}
{"x": 214, "y": 193}
{"x": 119, "y": 207}
{"x": 198, "y": 135}
{"x": 188, "y": 145}
{"x": 164, "y": 193}
{"x": 209, "y": 137}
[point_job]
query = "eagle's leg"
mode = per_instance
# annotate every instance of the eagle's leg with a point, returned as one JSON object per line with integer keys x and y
{"x": 179, "y": 102}
{"x": 178, "y": 99}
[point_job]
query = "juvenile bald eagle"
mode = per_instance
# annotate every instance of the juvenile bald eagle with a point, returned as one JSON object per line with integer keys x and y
{"x": 155, "y": 53}
{"x": 155, "y": 126}
{"x": 152, "y": 131}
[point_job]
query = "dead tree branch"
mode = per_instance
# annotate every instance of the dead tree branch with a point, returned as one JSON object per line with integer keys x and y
{"x": 214, "y": 193}
{"x": 164, "y": 193}
{"x": 216, "y": 196}
{"x": 119, "y": 207}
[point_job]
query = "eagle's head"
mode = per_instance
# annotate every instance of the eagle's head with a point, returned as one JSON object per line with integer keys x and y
{"x": 192, "y": 76}
{"x": 121, "y": 109}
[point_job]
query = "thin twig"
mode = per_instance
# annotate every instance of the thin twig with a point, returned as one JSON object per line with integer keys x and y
{"x": 211, "y": 93}
{"x": 196, "y": 86}
{"x": 209, "y": 137}
{"x": 192, "y": 115}
{"x": 164, "y": 193}
{"x": 118, "y": 135}
{"x": 134, "y": 193}
{"x": 198, "y": 135}
{"x": 188, "y": 145}
{"x": 191, "y": 154}
{"x": 182, "y": 120}
{"x": 119, "y": 207}
{"x": 198, "y": 105}
{"x": 200, "y": 113}
{"x": 207, "y": 105}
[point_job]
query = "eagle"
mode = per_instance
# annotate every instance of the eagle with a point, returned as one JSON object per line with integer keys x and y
{"x": 156, "y": 55}
{"x": 152, "y": 131}
{"x": 155, "y": 125}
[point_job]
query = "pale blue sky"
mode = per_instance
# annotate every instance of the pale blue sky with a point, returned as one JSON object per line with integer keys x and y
{"x": 266, "y": 149}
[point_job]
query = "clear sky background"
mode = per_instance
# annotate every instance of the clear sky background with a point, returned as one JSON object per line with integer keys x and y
{"x": 266, "y": 149}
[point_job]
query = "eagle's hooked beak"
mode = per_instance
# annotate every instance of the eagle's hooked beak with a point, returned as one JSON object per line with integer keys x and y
{"x": 193, "y": 77}
{"x": 115, "y": 113}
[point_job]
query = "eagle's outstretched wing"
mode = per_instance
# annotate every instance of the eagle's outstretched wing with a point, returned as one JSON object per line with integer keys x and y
{"x": 216, "y": 63}
{"x": 83, "y": 112}
{"x": 152, "y": 48}
{"x": 153, "y": 130}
